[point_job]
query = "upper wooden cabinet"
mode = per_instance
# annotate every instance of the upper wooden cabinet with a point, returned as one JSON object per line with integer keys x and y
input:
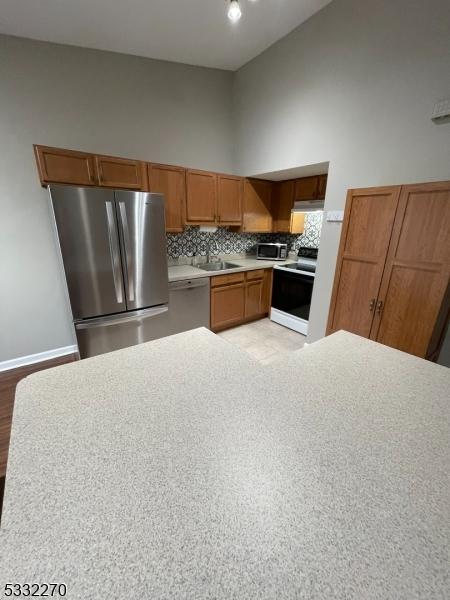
{"x": 201, "y": 197}
{"x": 311, "y": 188}
{"x": 306, "y": 188}
{"x": 282, "y": 203}
{"x": 297, "y": 224}
{"x": 230, "y": 191}
{"x": 56, "y": 165}
{"x": 284, "y": 220}
{"x": 214, "y": 199}
{"x": 257, "y": 217}
{"x": 170, "y": 181}
{"x": 120, "y": 172}
{"x": 393, "y": 269}
{"x": 322, "y": 186}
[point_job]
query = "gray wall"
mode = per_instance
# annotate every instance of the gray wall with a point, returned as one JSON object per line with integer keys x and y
{"x": 88, "y": 100}
{"x": 355, "y": 85}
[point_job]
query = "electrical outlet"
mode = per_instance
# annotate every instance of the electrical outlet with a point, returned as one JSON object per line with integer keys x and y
{"x": 441, "y": 112}
{"x": 335, "y": 216}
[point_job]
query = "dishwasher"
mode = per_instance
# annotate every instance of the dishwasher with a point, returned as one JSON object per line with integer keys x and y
{"x": 188, "y": 305}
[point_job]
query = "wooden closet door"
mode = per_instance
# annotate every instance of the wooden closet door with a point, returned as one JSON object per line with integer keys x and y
{"x": 368, "y": 221}
{"x": 417, "y": 270}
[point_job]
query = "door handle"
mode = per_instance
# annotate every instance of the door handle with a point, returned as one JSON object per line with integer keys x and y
{"x": 114, "y": 251}
{"x": 372, "y": 304}
{"x": 379, "y": 306}
{"x": 111, "y": 320}
{"x": 126, "y": 242}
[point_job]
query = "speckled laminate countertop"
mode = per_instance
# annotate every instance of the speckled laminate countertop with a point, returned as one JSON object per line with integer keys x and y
{"x": 180, "y": 272}
{"x": 182, "y": 469}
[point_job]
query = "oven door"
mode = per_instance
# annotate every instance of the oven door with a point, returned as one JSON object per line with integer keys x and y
{"x": 292, "y": 293}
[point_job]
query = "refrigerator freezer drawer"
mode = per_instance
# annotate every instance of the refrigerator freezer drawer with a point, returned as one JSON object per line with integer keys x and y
{"x": 105, "y": 334}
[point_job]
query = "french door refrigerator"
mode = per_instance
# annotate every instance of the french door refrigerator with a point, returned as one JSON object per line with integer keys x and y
{"x": 113, "y": 247}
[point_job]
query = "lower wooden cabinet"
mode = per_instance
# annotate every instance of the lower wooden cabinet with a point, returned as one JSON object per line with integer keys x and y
{"x": 267, "y": 291}
{"x": 239, "y": 297}
{"x": 227, "y": 305}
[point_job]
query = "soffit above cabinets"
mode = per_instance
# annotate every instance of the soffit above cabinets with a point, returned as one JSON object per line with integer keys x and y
{"x": 195, "y": 32}
{"x": 295, "y": 172}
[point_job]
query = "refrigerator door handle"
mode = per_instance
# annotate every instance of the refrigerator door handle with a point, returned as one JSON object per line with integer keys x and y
{"x": 114, "y": 251}
{"x": 126, "y": 241}
{"x": 136, "y": 315}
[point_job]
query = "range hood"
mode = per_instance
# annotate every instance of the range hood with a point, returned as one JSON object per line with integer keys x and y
{"x": 308, "y": 205}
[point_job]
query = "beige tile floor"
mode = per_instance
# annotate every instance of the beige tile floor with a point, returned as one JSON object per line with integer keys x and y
{"x": 264, "y": 340}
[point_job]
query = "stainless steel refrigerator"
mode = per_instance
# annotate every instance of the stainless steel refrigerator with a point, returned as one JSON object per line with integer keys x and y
{"x": 113, "y": 247}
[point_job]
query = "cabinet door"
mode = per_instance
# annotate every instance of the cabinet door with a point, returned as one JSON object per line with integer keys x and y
{"x": 257, "y": 206}
{"x": 267, "y": 291}
{"x": 201, "y": 197}
{"x": 282, "y": 203}
{"x": 417, "y": 270}
{"x": 230, "y": 191}
{"x": 227, "y": 305}
{"x": 306, "y": 188}
{"x": 253, "y": 298}
{"x": 368, "y": 221}
{"x": 322, "y": 186}
{"x": 56, "y": 165}
{"x": 297, "y": 224}
{"x": 120, "y": 172}
{"x": 170, "y": 181}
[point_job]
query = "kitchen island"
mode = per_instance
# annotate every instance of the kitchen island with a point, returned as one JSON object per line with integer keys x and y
{"x": 182, "y": 469}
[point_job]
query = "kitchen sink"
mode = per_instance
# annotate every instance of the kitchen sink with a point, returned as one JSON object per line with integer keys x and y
{"x": 218, "y": 266}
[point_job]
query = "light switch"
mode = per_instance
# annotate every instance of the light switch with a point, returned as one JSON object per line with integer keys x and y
{"x": 336, "y": 216}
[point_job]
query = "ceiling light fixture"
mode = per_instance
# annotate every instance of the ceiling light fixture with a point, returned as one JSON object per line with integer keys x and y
{"x": 234, "y": 11}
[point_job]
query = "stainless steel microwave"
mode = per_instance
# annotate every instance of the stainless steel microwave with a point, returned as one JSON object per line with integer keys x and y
{"x": 271, "y": 251}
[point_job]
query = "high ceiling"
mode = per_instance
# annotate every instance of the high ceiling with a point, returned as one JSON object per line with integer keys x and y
{"x": 195, "y": 32}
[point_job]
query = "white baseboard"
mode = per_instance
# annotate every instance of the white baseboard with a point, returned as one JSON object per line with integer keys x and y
{"x": 23, "y": 361}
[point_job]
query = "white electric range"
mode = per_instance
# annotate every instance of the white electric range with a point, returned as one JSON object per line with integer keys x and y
{"x": 292, "y": 291}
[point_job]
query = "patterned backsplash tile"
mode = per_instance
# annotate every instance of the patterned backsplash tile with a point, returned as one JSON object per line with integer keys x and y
{"x": 193, "y": 241}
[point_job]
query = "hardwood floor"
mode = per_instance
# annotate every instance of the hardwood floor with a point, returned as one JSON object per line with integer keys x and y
{"x": 8, "y": 382}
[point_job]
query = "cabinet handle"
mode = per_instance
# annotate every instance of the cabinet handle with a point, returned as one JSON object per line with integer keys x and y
{"x": 379, "y": 306}
{"x": 100, "y": 173}
{"x": 372, "y": 304}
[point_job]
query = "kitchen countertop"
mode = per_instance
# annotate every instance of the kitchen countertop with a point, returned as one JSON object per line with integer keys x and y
{"x": 183, "y": 469}
{"x": 180, "y": 272}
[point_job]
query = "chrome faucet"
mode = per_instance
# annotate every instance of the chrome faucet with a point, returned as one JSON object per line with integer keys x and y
{"x": 208, "y": 248}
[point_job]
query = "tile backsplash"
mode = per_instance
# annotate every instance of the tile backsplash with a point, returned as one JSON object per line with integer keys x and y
{"x": 193, "y": 241}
